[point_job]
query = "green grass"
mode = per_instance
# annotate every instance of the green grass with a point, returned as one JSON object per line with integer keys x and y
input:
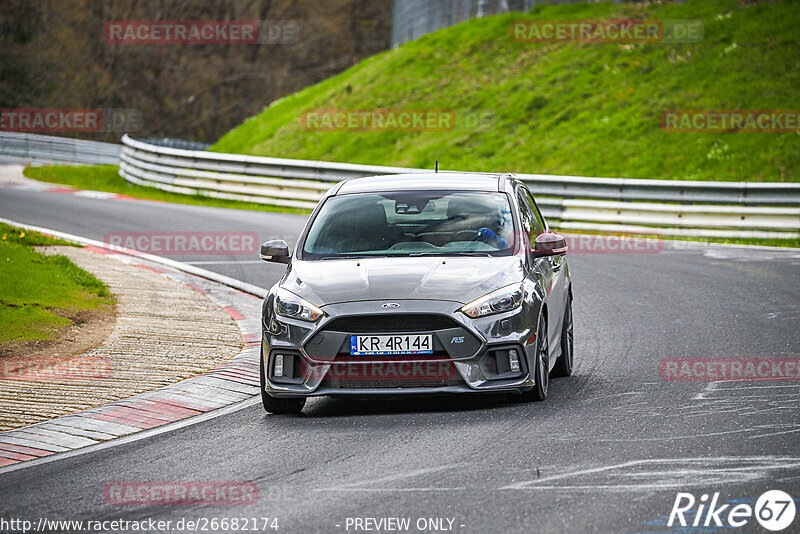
{"x": 38, "y": 293}
{"x": 575, "y": 109}
{"x": 794, "y": 243}
{"x": 106, "y": 178}
{"x": 13, "y": 235}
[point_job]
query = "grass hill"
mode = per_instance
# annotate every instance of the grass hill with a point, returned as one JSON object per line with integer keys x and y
{"x": 563, "y": 108}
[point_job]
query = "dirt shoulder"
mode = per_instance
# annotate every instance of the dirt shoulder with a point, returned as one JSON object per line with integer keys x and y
{"x": 88, "y": 330}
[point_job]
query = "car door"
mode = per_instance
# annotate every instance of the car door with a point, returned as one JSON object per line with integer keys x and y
{"x": 558, "y": 264}
{"x": 541, "y": 270}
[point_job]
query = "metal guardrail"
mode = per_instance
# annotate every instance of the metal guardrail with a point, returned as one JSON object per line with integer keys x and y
{"x": 629, "y": 189}
{"x": 414, "y": 18}
{"x": 730, "y": 209}
{"x": 175, "y": 143}
{"x": 50, "y": 149}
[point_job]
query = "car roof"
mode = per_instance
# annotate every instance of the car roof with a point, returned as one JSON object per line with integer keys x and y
{"x": 440, "y": 181}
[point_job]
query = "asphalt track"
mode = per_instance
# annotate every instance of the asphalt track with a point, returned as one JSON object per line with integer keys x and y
{"x": 607, "y": 452}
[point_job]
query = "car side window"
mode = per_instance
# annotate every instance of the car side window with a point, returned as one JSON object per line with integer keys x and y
{"x": 538, "y": 219}
{"x": 527, "y": 218}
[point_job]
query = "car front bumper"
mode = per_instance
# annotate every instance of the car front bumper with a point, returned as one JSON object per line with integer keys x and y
{"x": 470, "y": 355}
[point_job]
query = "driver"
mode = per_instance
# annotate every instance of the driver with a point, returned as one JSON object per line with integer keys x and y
{"x": 486, "y": 235}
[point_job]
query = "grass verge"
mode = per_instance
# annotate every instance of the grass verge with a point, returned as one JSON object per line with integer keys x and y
{"x": 785, "y": 243}
{"x": 40, "y": 294}
{"x": 106, "y": 178}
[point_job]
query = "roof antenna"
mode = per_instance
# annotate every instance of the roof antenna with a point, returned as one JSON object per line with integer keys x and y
{"x": 437, "y": 165}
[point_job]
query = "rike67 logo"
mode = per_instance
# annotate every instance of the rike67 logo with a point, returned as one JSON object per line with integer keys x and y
{"x": 774, "y": 511}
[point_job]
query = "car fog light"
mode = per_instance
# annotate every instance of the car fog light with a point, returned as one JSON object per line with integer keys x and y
{"x": 279, "y": 365}
{"x": 513, "y": 360}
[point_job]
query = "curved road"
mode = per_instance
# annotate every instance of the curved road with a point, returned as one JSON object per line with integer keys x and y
{"x": 607, "y": 452}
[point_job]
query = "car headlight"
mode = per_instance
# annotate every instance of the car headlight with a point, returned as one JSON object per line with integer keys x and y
{"x": 504, "y": 299}
{"x": 290, "y": 305}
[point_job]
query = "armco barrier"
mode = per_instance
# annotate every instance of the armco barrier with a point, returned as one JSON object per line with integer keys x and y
{"x": 49, "y": 148}
{"x": 667, "y": 207}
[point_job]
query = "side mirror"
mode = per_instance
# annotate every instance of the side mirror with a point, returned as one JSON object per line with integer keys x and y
{"x": 549, "y": 244}
{"x": 276, "y": 251}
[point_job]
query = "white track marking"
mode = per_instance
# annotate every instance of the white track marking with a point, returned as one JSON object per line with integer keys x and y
{"x": 670, "y": 438}
{"x": 709, "y": 387}
{"x": 387, "y": 490}
{"x": 796, "y": 429}
{"x": 224, "y": 262}
{"x": 350, "y": 486}
{"x": 707, "y": 471}
{"x": 191, "y": 269}
{"x": 774, "y": 386}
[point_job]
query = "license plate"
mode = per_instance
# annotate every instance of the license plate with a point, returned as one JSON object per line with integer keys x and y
{"x": 391, "y": 345}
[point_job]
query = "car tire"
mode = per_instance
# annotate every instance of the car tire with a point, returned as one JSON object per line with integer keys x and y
{"x": 279, "y": 406}
{"x": 540, "y": 374}
{"x": 563, "y": 366}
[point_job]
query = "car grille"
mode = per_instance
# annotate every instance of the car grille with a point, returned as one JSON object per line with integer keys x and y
{"x": 445, "y": 375}
{"x": 331, "y": 343}
{"x": 390, "y": 323}
{"x": 438, "y": 355}
{"x": 381, "y": 384}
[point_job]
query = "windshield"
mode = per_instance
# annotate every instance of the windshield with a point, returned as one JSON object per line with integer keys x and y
{"x": 409, "y": 223}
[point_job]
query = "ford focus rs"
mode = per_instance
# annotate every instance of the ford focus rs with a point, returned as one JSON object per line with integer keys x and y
{"x": 418, "y": 284}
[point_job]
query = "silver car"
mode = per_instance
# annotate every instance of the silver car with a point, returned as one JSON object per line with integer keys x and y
{"x": 418, "y": 284}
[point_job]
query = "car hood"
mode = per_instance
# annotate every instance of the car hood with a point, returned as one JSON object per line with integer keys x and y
{"x": 457, "y": 279}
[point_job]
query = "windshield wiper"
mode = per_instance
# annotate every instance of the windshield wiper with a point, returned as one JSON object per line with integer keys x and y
{"x": 445, "y": 254}
{"x": 409, "y": 255}
{"x": 471, "y": 254}
{"x": 344, "y": 257}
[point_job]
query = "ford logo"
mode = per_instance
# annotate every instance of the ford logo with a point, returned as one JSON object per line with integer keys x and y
{"x": 390, "y": 305}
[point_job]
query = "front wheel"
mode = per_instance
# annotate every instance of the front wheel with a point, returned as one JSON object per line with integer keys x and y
{"x": 563, "y": 366}
{"x": 540, "y": 373}
{"x": 278, "y": 406}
